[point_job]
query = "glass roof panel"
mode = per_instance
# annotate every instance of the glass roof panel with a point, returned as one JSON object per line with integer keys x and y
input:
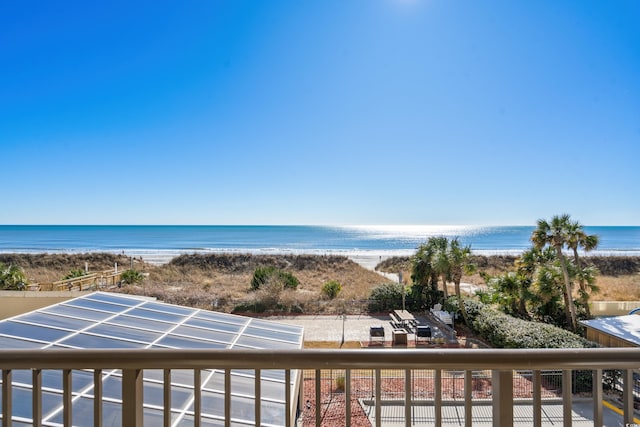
{"x": 219, "y": 326}
{"x": 267, "y": 324}
{"x": 152, "y": 325}
{"x": 114, "y": 298}
{"x": 8, "y": 342}
{"x": 96, "y": 305}
{"x": 256, "y": 342}
{"x": 123, "y": 332}
{"x": 273, "y": 334}
{"x": 215, "y": 316}
{"x": 182, "y": 342}
{"x": 154, "y": 395}
{"x": 155, "y": 315}
{"x": 204, "y": 334}
{"x": 112, "y": 387}
{"x": 92, "y": 341}
{"x": 35, "y": 332}
{"x": 67, "y": 310}
{"x": 168, "y": 308}
{"x": 45, "y": 319}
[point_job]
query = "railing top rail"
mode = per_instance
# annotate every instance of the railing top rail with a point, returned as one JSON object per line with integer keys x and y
{"x": 455, "y": 359}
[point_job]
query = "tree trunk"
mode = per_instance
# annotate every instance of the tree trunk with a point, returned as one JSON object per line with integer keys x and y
{"x": 444, "y": 287}
{"x": 584, "y": 296}
{"x": 570, "y": 308}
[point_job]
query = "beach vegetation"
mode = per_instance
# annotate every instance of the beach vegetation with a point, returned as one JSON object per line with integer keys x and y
{"x": 131, "y": 277}
{"x": 12, "y": 277}
{"x": 264, "y": 274}
{"x": 331, "y": 289}
{"x": 439, "y": 259}
{"x": 74, "y": 273}
{"x": 540, "y": 284}
{"x": 505, "y": 331}
{"x": 385, "y": 297}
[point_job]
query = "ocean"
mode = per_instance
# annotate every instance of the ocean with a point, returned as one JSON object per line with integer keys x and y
{"x": 158, "y": 243}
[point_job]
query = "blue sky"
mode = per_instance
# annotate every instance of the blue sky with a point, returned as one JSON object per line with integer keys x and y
{"x": 319, "y": 112}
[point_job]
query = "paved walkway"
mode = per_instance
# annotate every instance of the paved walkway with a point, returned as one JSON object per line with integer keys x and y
{"x": 453, "y": 415}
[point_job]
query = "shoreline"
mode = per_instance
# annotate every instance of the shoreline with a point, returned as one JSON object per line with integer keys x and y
{"x": 367, "y": 259}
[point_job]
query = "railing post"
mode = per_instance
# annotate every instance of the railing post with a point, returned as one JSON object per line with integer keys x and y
{"x": 468, "y": 398}
{"x": 318, "y": 398}
{"x": 567, "y": 395}
{"x": 627, "y": 396}
{"x": 67, "y": 415}
{"x": 7, "y": 394}
{"x": 166, "y": 397}
{"x": 597, "y": 398}
{"x": 537, "y": 398}
{"x": 36, "y": 404}
{"x": 437, "y": 398}
{"x": 132, "y": 397}
{"x": 502, "y": 389}
{"x": 378, "y": 398}
{"x": 258, "y": 402}
{"x": 347, "y": 397}
{"x": 97, "y": 398}
{"x": 407, "y": 397}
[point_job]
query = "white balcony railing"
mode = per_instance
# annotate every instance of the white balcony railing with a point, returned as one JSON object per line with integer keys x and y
{"x": 500, "y": 363}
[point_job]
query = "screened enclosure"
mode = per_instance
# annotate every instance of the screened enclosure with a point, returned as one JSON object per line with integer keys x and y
{"x": 115, "y": 321}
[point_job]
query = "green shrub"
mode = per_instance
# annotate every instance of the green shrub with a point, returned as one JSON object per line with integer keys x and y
{"x": 73, "y": 273}
{"x": 504, "y": 331}
{"x": 331, "y": 289}
{"x": 130, "y": 277}
{"x": 263, "y": 274}
{"x": 385, "y": 297}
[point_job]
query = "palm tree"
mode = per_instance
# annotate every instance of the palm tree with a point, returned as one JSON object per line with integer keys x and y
{"x": 459, "y": 264}
{"x": 12, "y": 277}
{"x": 577, "y": 238}
{"x": 555, "y": 234}
{"x": 441, "y": 262}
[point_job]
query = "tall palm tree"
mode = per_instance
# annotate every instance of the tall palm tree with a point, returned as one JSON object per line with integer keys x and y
{"x": 459, "y": 264}
{"x": 441, "y": 262}
{"x": 577, "y": 238}
{"x": 555, "y": 234}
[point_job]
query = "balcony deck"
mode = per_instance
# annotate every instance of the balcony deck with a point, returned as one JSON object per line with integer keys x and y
{"x": 501, "y": 364}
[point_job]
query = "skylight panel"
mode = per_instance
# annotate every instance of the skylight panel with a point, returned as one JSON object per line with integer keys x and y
{"x": 35, "y": 332}
{"x": 93, "y": 341}
{"x": 156, "y": 315}
{"x": 265, "y": 324}
{"x": 46, "y": 319}
{"x": 17, "y": 343}
{"x": 148, "y": 324}
{"x": 124, "y": 333}
{"x": 82, "y": 313}
{"x": 219, "y": 326}
{"x": 96, "y": 305}
{"x": 115, "y": 299}
{"x": 183, "y": 342}
{"x": 202, "y": 333}
{"x": 272, "y": 334}
{"x": 222, "y": 317}
{"x": 256, "y": 342}
{"x": 168, "y": 308}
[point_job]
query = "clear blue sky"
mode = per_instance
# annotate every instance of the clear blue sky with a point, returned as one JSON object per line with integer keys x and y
{"x": 319, "y": 112}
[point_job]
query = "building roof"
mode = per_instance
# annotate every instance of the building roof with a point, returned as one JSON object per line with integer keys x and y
{"x": 104, "y": 320}
{"x": 623, "y": 327}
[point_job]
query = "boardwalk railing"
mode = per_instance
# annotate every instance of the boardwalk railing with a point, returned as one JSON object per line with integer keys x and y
{"x": 502, "y": 365}
{"x": 93, "y": 281}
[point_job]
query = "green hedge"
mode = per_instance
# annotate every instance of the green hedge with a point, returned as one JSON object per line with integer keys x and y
{"x": 504, "y": 331}
{"x": 264, "y": 273}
